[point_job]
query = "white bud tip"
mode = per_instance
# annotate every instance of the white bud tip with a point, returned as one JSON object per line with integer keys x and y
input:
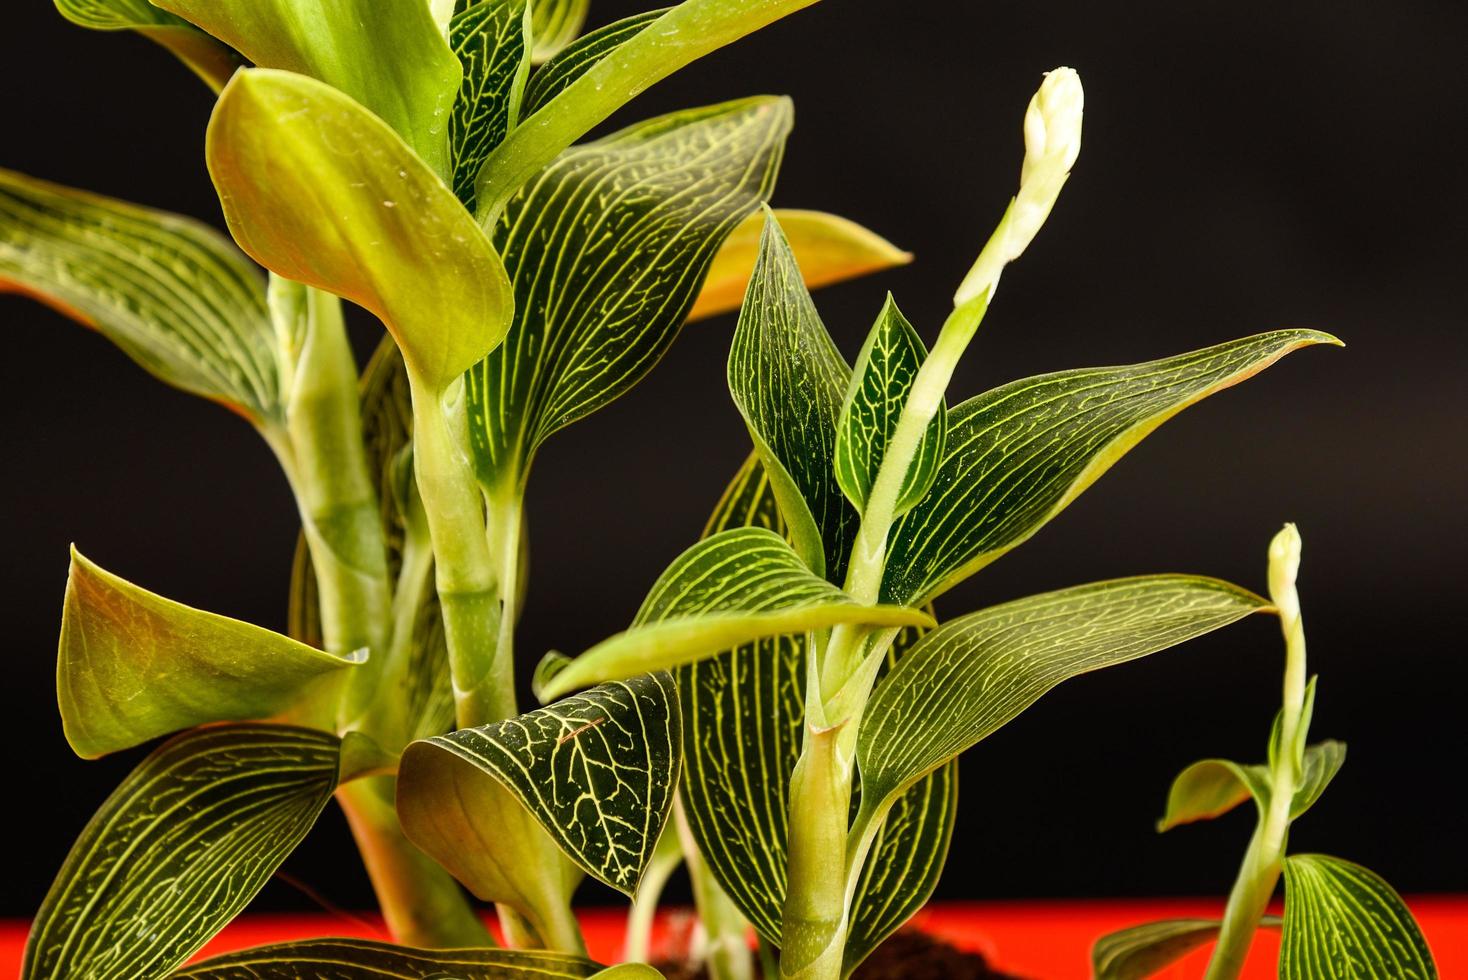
{"x": 1284, "y": 567}
{"x": 1053, "y": 123}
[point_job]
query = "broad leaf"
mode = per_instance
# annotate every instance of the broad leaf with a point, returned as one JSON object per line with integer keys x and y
{"x": 210, "y": 60}
{"x": 489, "y": 39}
{"x": 736, "y": 587}
{"x": 830, "y": 249}
{"x": 555, "y": 24}
{"x": 1141, "y": 951}
{"x": 1018, "y": 455}
{"x": 387, "y": 55}
{"x": 1342, "y": 920}
{"x": 1213, "y": 787}
{"x": 175, "y": 295}
{"x": 597, "y": 770}
{"x": 133, "y": 665}
{"x": 320, "y": 191}
{"x": 789, "y": 380}
{"x": 363, "y": 959}
{"x": 179, "y": 849}
{"x": 607, "y": 248}
{"x": 879, "y": 389}
{"x": 574, "y": 61}
{"x": 971, "y": 676}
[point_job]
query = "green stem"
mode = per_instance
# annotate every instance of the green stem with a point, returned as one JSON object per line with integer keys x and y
{"x": 813, "y": 927}
{"x": 726, "y": 933}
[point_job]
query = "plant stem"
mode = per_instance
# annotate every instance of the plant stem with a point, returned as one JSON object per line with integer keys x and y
{"x": 813, "y": 927}
{"x": 726, "y": 933}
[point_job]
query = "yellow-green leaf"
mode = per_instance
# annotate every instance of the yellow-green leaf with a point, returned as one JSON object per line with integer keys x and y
{"x": 1140, "y": 951}
{"x": 555, "y": 24}
{"x": 1344, "y": 921}
{"x": 363, "y": 959}
{"x": 1212, "y": 787}
{"x": 211, "y": 61}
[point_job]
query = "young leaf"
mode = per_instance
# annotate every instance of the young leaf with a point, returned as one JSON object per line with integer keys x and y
{"x": 206, "y": 57}
{"x": 133, "y": 665}
{"x": 789, "y": 380}
{"x": 489, "y": 39}
{"x": 736, "y": 587}
{"x": 179, "y": 849}
{"x": 363, "y": 959}
{"x": 597, "y": 770}
{"x": 319, "y": 190}
{"x": 1213, "y": 787}
{"x": 829, "y": 248}
{"x": 1342, "y": 920}
{"x": 974, "y": 674}
{"x": 879, "y": 389}
{"x": 555, "y": 24}
{"x": 578, "y": 57}
{"x": 1018, "y": 455}
{"x": 608, "y": 246}
{"x": 388, "y": 55}
{"x": 175, "y": 295}
{"x": 1140, "y": 951}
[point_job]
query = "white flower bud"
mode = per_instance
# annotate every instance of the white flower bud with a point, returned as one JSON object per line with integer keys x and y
{"x": 1284, "y": 566}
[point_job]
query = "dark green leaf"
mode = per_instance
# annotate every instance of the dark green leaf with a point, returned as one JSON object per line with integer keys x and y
{"x": 607, "y": 248}
{"x": 210, "y": 60}
{"x": 879, "y": 389}
{"x": 489, "y": 39}
{"x": 1213, "y": 787}
{"x": 362, "y": 959}
{"x": 573, "y": 61}
{"x": 555, "y": 24}
{"x": 179, "y": 849}
{"x": 1140, "y": 951}
{"x": 1018, "y": 455}
{"x": 1343, "y": 921}
{"x": 788, "y": 380}
{"x": 597, "y": 770}
{"x": 175, "y": 295}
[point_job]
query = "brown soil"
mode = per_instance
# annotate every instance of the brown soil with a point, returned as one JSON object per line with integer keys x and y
{"x": 907, "y": 955}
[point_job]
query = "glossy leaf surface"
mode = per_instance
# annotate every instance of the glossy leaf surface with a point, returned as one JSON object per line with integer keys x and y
{"x": 210, "y": 60}
{"x": 133, "y": 665}
{"x": 488, "y": 38}
{"x": 1342, "y": 920}
{"x": 829, "y": 248}
{"x": 1018, "y": 455}
{"x": 879, "y": 389}
{"x": 1213, "y": 787}
{"x": 608, "y": 247}
{"x": 320, "y": 191}
{"x": 387, "y": 55}
{"x": 362, "y": 959}
{"x": 555, "y": 24}
{"x": 175, "y": 295}
{"x": 1140, "y": 951}
{"x": 578, "y": 57}
{"x": 789, "y": 381}
{"x": 179, "y": 849}
{"x": 736, "y": 587}
{"x": 597, "y": 770}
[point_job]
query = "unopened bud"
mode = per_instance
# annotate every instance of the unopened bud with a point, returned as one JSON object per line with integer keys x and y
{"x": 1284, "y": 566}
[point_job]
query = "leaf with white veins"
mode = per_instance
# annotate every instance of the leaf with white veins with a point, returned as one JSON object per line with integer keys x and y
{"x": 1342, "y": 920}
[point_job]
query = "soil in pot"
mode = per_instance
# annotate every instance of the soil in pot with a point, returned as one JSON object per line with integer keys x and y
{"x": 907, "y": 955}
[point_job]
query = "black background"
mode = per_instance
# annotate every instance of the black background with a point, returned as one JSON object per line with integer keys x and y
{"x": 1246, "y": 166}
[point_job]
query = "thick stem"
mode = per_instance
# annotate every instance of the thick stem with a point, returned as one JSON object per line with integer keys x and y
{"x": 813, "y": 929}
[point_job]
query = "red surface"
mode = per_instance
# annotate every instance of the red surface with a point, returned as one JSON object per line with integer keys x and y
{"x": 1043, "y": 940}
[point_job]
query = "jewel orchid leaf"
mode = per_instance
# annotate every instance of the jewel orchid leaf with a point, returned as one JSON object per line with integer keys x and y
{"x": 1342, "y": 920}
{"x": 1141, "y": 951}
{"x": 178, "y": 849}
{"x": 211, "y": 61}
{"x": 320, "y": 191}
{"x": 364, "y": 959}
{"x": 133, "y": 665}
{"x": 576, "y": 58}
{"x": 488, "y": 37}
{"x": 555, "y": 24}
{"x": 1212, "y": 787}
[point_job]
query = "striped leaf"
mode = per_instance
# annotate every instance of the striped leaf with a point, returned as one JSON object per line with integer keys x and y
{"x": 1018, "y": 455}
{"x": 1140, "y": 951}
{"x": 1212, "y": 787}
{"x": 388, "y": 55}
{"x": 607, "y": 248}
{"x": 179, "y": 849}
{"x": 974, "y": 674}
{"x": 829, "y": 248}
{"x": 210, "y": 60}
{"x": 736, "y": 587}
{"x": 577, "y": 57}
{"x": 320, "y": 191}
{"x": 879, "y": 388}
{"x": 175, "y": 295}
{"x": 489, "y": 39}
{"x": 1342, "y": 921}
{"x": 133, "y": 665}
{"x": 555, "y": 24}
{"x": 362, "y": 959}
{"x": 596, "y": 770}
{"x": 789, "y": 381}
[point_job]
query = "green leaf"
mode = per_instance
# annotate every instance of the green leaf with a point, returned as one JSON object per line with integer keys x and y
{"x": 630, "y": 971}
{"x": 320, "y": 191}
{"x": 1018, "y": 455}
{"x": 133, "y": 665}
{"x": 789, "y": 381}
{"x": 829, "y": 248}
{"x": 175, "y": 295}
{"x": 608, "y": 247}
{"x": 735, "y": 587}
{"x": 1213, "y": 787}
{"x": 879, "y": 390}
{"x": 1140, "y": 951}
{"x": 971, "y": 676}
{"x": 1343, "y": 921}
{"x": 363, "y": 959}
{"x": 555, "y": 24}
{"x": 489, "y": 39}
{"x": 179, "y": 849}
{"x": 387, "y": 55}
{"x": 210, "y": 60}
{"x": 597, "y": 770}
{"x": 578, "y": 57}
